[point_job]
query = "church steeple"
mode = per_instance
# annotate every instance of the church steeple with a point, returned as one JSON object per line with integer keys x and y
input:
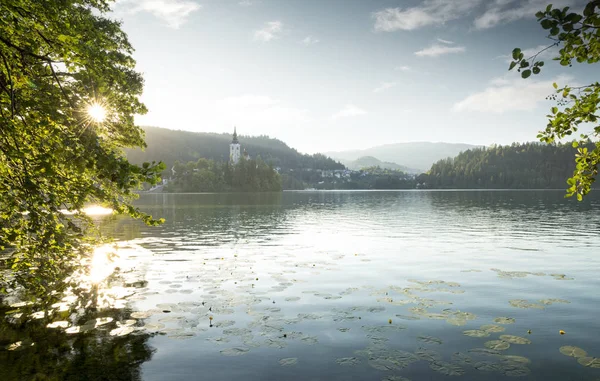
{"x": 235, "y": 139}
{"x": 234, "y": 148}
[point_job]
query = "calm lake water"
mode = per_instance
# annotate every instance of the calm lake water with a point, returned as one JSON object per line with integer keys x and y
{"x": 410, "y": 285}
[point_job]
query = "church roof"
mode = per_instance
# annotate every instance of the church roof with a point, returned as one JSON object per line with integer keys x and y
{"x": 235, "y": 139}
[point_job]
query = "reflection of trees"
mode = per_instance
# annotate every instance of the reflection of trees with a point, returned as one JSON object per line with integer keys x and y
{"x": 52, "y": 354}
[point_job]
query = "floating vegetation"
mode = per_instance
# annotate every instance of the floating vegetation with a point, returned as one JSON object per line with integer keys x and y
{"x": 234, "y": 351}
{"x": 288, "y": 361}
{"x": 561, "y": 277}
{"x": 476, "y": 333}
{"x": 292, "y": 298}
{"x": 514, "y": 339}
{"x": 348, "y": 361}
{"x": 492, "y": 328}
{"x": 553, "y": 301}
{"x": 408, "y": 317}
{"x": 515, "y": 359}
{"x": 497, "y": 345}
{"x": 180, "y": 335}
{"x": 447, "y": 368}
{"x": 141, "y": 314}
{"x": 395, "y": 378}
{"x": 569, "y": 350}
{"x": 484, "y": 351}
{"x": 462, "y": 358}
{"x": 59, "y": 324}
{"x": 343, "y": 329}
{"x": 430, "y": 340}
{"x": 488, "y": 366}
{"x": 122, "y": 331}
{"x": 428, "y": 355}
{"x": 521, "y": 303}
{"x": 592, "y": 362}
{"x": 504, "y": 320}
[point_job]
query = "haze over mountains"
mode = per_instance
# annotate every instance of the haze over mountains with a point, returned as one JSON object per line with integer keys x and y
{"x": 417, "y": 155}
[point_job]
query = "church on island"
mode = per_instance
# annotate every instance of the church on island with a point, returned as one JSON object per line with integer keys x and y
{"x": 235, "y": 150}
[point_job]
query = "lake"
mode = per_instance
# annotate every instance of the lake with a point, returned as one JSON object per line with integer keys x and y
{"x": 357, "y": 285}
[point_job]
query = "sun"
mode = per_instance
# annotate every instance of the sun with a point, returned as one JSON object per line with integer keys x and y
{"x": 96, "y": 112}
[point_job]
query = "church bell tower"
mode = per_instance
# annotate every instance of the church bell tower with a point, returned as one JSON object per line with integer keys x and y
{"x": 234, "y": 149}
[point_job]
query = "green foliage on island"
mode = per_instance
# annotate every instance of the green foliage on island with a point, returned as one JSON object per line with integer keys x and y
{"x": 170, "y": 146}
{"x": 205, "y": 175}
{"x": 578, "y": 37}
{"x": 518, "y": 166}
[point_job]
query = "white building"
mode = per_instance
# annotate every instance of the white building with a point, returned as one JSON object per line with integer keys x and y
{"x": 235, "y": 149}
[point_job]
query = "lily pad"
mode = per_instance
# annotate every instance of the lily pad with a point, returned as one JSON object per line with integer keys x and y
{"x": 515, "y": 339}
{"x": 141, "y": 314}
{"x": 476, "y": 333}
{"x": 592, "y": 362}
{"x": 395, "y": 378}
{"x": 504, "y": 320}
{"x": 569, "y": 350}
{"x": 234, "y": 351}
{"x": 59, "y": 324}
{"x": 430, "y": 340}
{"x": 288, "y": 361}
{"x": 447, "y": 368}
{"x": 497, "y": 345}
{"x": 122, "y": 331}
{"x": 492, "y": 328}
{"x": 428, "y": 355}
{"x": 348, "y": 361}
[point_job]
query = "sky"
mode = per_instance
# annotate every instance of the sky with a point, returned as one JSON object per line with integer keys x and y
{"x": 332, "y": 75}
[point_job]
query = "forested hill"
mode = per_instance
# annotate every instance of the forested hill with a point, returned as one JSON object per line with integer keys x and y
{"x": 518, "y": 166}
{"x": 184, "y": 146}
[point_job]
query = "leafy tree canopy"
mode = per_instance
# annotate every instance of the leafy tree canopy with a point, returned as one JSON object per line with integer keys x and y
{"x": 59, "y": 60}
{"x": 578, "y": 36}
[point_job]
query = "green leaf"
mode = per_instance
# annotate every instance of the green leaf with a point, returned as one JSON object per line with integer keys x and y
{"x": 526, "y": 74}
{"x": 516, "y": 53}
{"x": 547, "y": 24}
{"x": 554, "y": 110}
{"x": 555, "y": 85}
{"x": 512, "y": 65}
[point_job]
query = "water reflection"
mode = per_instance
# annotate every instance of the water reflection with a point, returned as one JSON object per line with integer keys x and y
{"x": 82, "y": 329}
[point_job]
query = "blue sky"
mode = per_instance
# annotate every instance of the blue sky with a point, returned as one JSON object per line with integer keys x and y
{"x": 327, "y": 75}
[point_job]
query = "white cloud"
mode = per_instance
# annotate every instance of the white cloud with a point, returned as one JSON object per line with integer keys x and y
{"x": 310, "y": 40}
{"x": 437, "y": 50}
{"x": 505, "y": 11}
{"x": 504, "y": 95}
{"x": 246, "y": 3}
{"x": 173, "y": 12}
{"x": 430, "y": 12}
{"x": 445, "y": 41}
{"x": 270, "y": 31}
{"x": 402, "y": 68}
{"x": 384, "y": 86}
{"x": 348, "y": 111}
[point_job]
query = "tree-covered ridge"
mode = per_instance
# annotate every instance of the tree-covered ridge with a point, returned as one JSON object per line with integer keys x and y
{"x": 518, "y": 166}
{"x": 205, "y": 175}
{"x": 170, "y": 146}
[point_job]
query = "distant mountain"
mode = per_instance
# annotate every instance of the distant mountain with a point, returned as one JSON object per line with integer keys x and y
{"x": 417, "y": 155}
{"x": 175, "y": 145}
{"x": 370, "y": 161}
